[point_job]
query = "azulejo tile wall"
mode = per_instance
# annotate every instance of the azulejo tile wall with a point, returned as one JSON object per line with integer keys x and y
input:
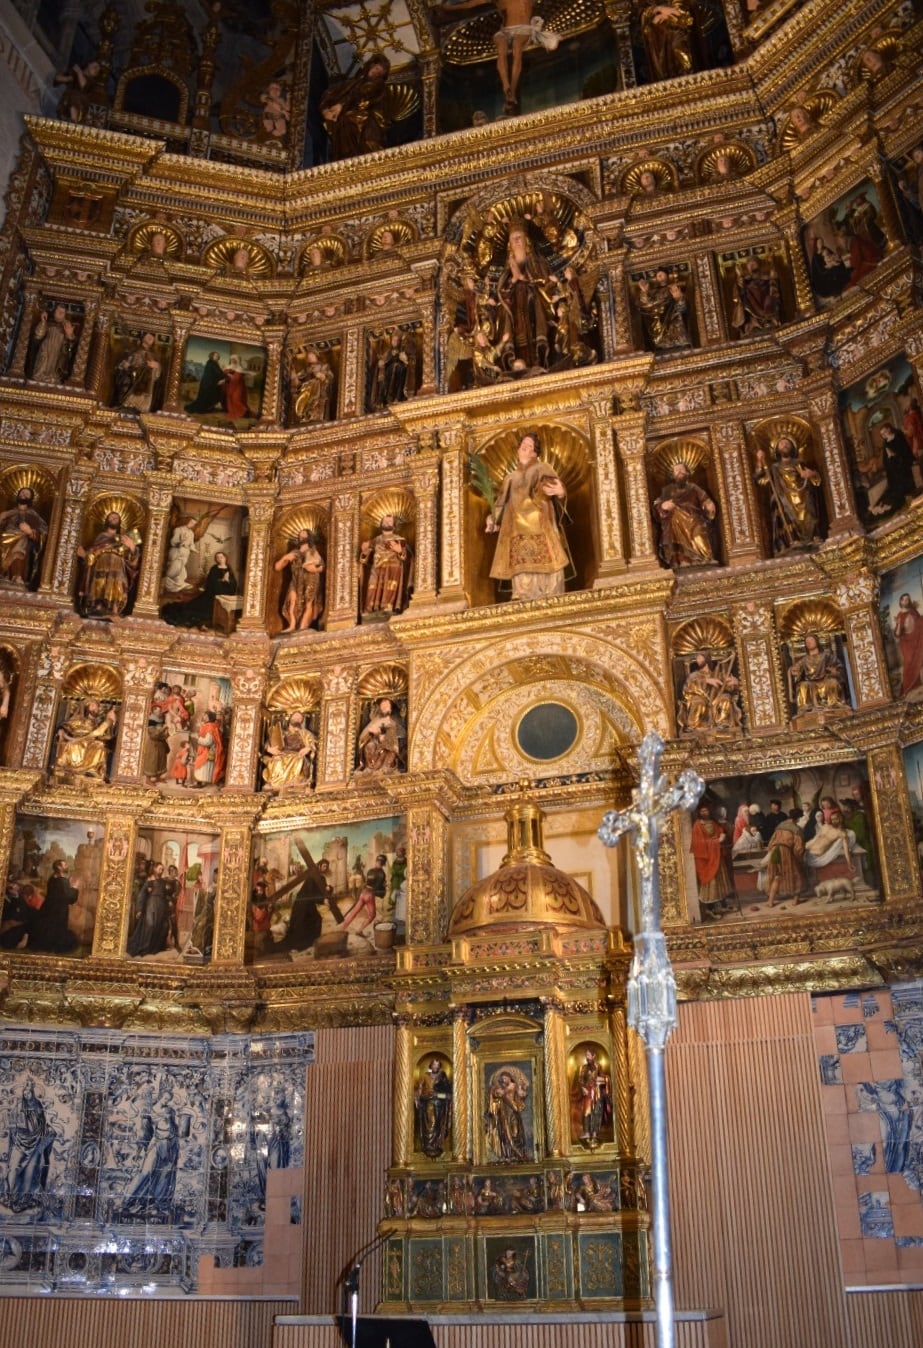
{"x": 870, "y": 1056}
{"x": 125, "y": 1158}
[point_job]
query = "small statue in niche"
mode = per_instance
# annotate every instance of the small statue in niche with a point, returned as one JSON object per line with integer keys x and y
{"x": 757, "y": 297}
{"x": 303, "y": 605}
{"x": 84, "y": 86}
{"x": 664, "y": 309}
{"x": 433, "y": 1105}
{"x": 137, "y": 375}
{"x": 382, "y": 742}
{"x": 84, "y": 740}
{"x": 312, "y": 380}
{"x": 667, "y": 31}
{"x": 22, "y": 538}
{"x": 387, "y": 565}
{"x": 793, "y": 489}
{"x": 591, "y": 1093}
{"x": 355, "y": 110}
{"x": 109, "y": 571}
{"x": 509, "y": 1275}
{"x": 392, "y": 369}
{"x": 52, "y": 346}
{"x": 817, "y": 679}
{"x": 686, "y": 515}
{"x": 289, "y": 753}
{"x": 277, "y": 111}
{"x": 710, "y": 698}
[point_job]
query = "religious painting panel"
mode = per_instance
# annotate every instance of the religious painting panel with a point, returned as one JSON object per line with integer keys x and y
{"x": 883, "y": 428}
{"x": 172, "y": 918}
{"x": 86, "y": 725}
{"x": 913, "y": 771}
{"x": 291, "y": 725}
{"x": 907, "y": 177}
{"x": 137, "y": 369}
{"x": 27, "y": 493}
{"x": 336, "y": 890}
{"x": 510, "y": 1268}
{"x": 222, "y": 382}
{"x": 394, "y": 364}
{"x": 756, "y": 288}
{"x": 844, "y": 242}
{"x": 188, "y": 731}
{"x": 662, "y": 304}
{"x": 297, "y": 584}
{"x": 900, "y": 616}
{"x": 801, "y": 841}
{"x": 202, "y": 581}
{"x": 313, "y": 372}
{"x": 109, "y": 557}
{"x": 52, "y": 884}
{"x": 53, "y": 339}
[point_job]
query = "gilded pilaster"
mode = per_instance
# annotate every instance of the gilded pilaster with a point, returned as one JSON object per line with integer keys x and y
{"x": 824, "y": 416}
{"x": 182, "y": 326}
{"x": 159, "y": 497}
{"x": 78, "y": 374}
{"x": 429, "y": 64}
{"x": 557, "y": 1120}
{"x": 233, "y": 882}
{"x": 789, "y": 223}
{"x": 427, "y": 863}
{"x": 138, "y": 675}
{"x": 99, "y": 355}
{"x": 273, "y": 340}
{"x": 342, "y": 573}
{"x": 351, "y": 382}
{"x": 249, "y": 687}
{"x": 629, "y": 434}
{"x": 759, "y": 668}
{"x": 461, "y": 1124}
{"x": 622, "y": 1119}
{"x": 52, "y": 668}
{"x": 452, "y": 444}
{"x": 402, "y": 1093}
{"x": 76, "y": 491}
{"x": 706, "y": 302}
{"x": 892, "y": 809}
{"x": 112, "y": 907}
{"x": 260, "y": 510}
{"x": 738, "y": 524}
{"x": 30, "y": 300}
{"x": 608, "y": 500}
{"x": 857, "y": 599}
{"x": 335, "y": 757}
{"x": 425, "y": 477}
{"x": 621, "y": 314}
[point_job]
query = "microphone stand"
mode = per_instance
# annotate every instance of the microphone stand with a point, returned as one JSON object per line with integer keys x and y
{"x": 351, "y": 1283}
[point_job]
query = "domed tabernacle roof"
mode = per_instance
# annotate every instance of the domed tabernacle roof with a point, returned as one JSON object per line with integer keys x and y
{"x": 528, "y": 890}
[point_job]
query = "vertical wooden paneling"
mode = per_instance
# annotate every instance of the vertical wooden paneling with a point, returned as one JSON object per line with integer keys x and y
{"x": 347, "y": 1151}
{"x": 753, "y": 1220}
{"x": 889, "y": 1319}
{"x": 109, "y": 1323}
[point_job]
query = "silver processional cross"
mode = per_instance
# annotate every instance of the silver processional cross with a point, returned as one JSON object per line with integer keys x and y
{"x": 652, "y": 987}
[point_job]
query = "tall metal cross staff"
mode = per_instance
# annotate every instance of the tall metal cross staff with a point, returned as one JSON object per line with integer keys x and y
{"x": 652, "y": 987}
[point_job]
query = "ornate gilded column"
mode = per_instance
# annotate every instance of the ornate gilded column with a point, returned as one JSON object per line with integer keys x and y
{"x": 430, "y": 66}
{"x": 76, "y": 491}
{"x": 98, "y": 356}
{"x": 895, "y": 818}
{"x": 335, "y": 751}
{"x": 260, "y": 509}
{"x": 182, "y": 322}
{"x": 706, "y": 302}
{"x": 766, "y": 707}
{"x": 18, "y": 725}
{"x": 608, "y": 498}
{"x": 738, "y": 525}
{"x": 618, "y": 12}
{"x": 350, "y": 375}
{"x": 425, "y": 479}
{"x": 425, "y": 273}
{"x": 427, "y": 863}
{"x": 30, "y": 300}
{"x": 138, "y": 675}
{"x": 52, "y": 667}
{"x": 629, "y": 434}
{"x": 237, "y": 816}
{"x": 621, "y": 314}
{"x": 249, "y": 689}
{"x": 622, "y": 1120}
{"x": 112, "y": 908}
{"x": 78, "y": 374}
{"x": 274, "y": 342}
{"x": 454, "y": 471}
{"x": 836, "y": 472}
{"x": 857, "y": 599}
{"x": 789, "y": 222}
{"x": 159, "y": 497}
{"x": 557, "y": 1104}
{"x": 342, "y": 564}
{"x": 402, "y": 1098}
{"x": 461, "y": 1120}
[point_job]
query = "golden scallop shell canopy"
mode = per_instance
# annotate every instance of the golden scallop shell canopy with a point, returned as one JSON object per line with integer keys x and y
{"x": 527, "y": 891}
